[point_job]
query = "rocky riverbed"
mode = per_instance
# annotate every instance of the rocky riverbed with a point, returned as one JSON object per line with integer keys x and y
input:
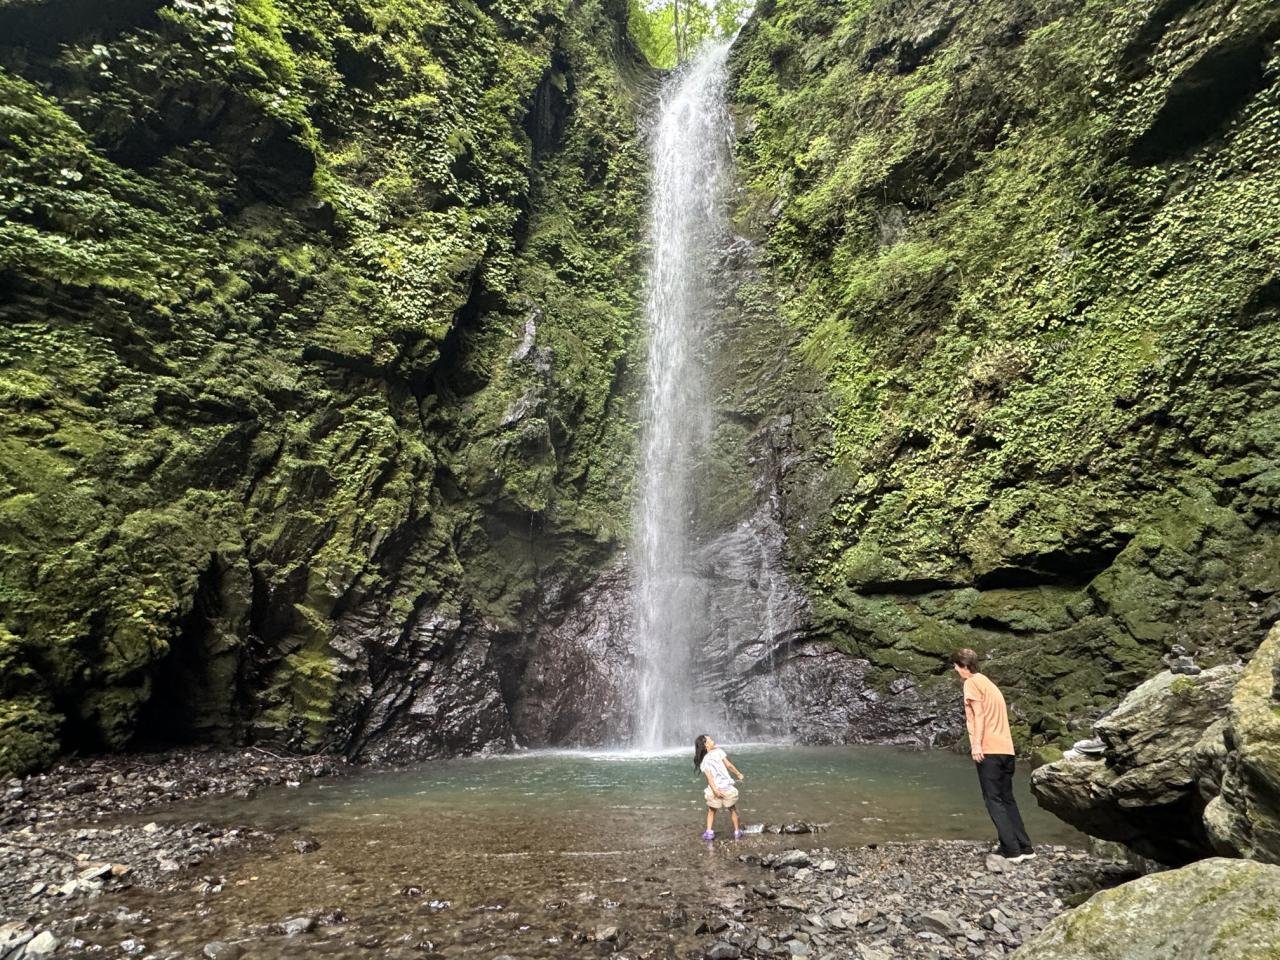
{"x": 83, "y": 827}
{"x": 100, "y": 861}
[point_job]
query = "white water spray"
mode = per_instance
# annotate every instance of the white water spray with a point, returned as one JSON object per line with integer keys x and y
{"x": 690, "y": 170}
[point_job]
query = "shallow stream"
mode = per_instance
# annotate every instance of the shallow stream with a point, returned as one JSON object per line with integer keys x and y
{"x": 515, "y": 855}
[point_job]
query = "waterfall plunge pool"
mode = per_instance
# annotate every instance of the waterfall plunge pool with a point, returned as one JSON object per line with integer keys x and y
{"x": 512, "y": 855}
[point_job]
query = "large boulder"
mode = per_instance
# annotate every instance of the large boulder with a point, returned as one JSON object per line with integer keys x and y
{"x": 1216, "y": 908}
{"x": 1145, "y": 788}
{"x": 1244, "y": 819}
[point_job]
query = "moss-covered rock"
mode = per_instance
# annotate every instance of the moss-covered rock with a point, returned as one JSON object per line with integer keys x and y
{"x": 1243, "y": 820}
{"x": 312, "y": 309}
{"x": 1028, "y": 251}
{"x": 1211, "y": 909}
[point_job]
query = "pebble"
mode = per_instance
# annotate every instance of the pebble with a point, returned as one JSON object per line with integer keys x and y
{"x": 42, "y": 944}
{"x": 221, "y": 950}
{"x": 939, "y": 921}
{"x": 298, "y": 925}
{"x": 14, "y": 935}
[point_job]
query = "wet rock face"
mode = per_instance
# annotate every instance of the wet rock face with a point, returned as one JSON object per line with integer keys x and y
{"x": 1214, "y": 908}
{"x": 771, "y": 663}
{"x": 776, "y": 680}
{"x": 834, "y": 698}
{"x": 755, "y": 612}
{"x": 429, "y": 691}
{"x": 570, "y": 681}
{"x": 451, "y": 685}
{"x": 1147, "y": 789}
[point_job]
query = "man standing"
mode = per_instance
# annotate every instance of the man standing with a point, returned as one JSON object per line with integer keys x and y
{"x": 991, "y": 745}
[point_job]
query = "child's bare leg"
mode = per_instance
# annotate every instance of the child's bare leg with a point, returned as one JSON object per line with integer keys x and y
{"x": 711, "y": 818}
{"x": 737, "y": 824}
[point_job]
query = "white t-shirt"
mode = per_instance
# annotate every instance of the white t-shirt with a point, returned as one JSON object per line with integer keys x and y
{"x": 713, "y": 763}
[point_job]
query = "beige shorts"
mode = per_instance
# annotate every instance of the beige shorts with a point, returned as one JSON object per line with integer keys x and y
{"x": 715, "y": 803}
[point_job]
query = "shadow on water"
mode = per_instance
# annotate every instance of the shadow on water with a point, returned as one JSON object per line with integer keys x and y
{"x": 517, "y": 854}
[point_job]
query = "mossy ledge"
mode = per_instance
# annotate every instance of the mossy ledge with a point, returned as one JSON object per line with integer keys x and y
{"x": 319, "y": 318}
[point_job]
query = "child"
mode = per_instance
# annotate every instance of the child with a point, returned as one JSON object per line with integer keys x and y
{"x": 720, "y": 794}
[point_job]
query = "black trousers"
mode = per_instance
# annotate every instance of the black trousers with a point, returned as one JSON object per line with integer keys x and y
{"x": 995, "y": 774}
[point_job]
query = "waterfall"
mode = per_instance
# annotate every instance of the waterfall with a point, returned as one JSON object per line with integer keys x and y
{"x": 689, "y": 150}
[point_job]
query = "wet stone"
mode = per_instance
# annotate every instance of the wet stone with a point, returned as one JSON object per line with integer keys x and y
{"x": 298, "y": 925}
{"x": 791, "y": 858}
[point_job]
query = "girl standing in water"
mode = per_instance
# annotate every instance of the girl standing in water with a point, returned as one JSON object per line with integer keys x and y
{"x": 720, "y": 794}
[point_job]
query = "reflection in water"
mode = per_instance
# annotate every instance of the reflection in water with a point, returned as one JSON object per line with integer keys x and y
{"x": 517, "y": 854}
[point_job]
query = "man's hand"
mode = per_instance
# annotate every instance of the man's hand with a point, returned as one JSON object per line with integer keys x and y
{"x": 977, "y": 754}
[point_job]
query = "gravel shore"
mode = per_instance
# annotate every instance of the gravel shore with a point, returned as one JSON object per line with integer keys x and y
{"x": 55, "y": 856}
{"x": 930, "y": 899}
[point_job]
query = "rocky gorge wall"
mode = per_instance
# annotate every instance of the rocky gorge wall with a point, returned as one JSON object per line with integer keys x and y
{"x": 316, "y": 368}
{"x": 1025, "y": 253}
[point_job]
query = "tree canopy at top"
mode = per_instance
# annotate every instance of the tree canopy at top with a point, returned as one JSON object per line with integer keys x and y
{"x": 669, "y": 31}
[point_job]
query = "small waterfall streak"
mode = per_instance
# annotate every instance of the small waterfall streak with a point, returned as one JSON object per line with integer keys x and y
{"x": 776, "y": 701}
{"x": 689, "y": 152}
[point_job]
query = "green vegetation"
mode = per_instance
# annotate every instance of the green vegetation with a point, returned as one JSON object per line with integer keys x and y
{"x": 1030, "y": 251}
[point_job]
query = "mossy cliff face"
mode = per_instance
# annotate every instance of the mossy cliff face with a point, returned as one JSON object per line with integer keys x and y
{"x": 1029, "y": 250}
{"x": 318, "y": 324}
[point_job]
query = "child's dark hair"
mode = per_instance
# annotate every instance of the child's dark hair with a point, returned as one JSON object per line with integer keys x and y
{"x": 699, "y": 750}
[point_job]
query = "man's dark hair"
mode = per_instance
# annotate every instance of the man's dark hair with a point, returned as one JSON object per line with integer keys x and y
{"x": 966, "y": 658}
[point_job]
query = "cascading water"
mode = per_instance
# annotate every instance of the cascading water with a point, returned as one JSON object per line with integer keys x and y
{"x": 690, "y": 167}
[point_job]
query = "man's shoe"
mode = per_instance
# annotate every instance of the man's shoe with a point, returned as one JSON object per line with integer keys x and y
{"x": 1031, "y": 855}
